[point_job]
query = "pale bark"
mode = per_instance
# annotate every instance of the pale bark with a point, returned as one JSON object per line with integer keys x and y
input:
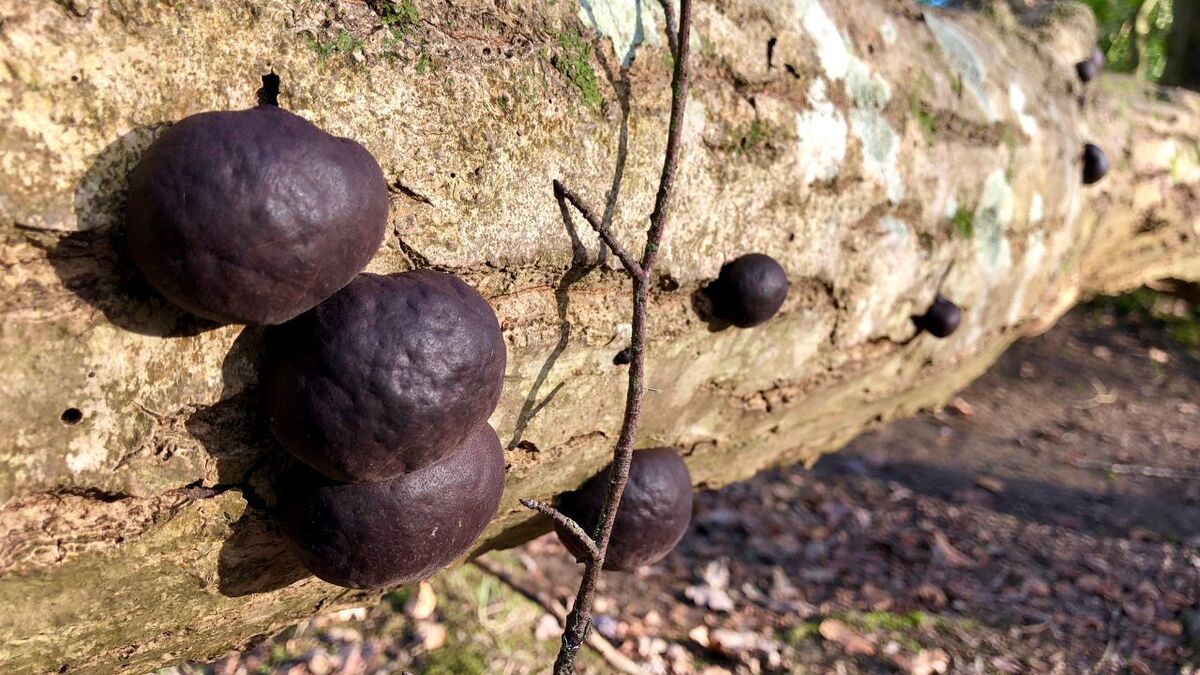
{"x": 139, "y": 534}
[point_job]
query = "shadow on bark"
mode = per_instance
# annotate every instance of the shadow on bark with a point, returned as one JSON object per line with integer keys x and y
{"x": 92, "y": 262}
{"x": 255, "y": 558}
{"x": 579, "y": 268}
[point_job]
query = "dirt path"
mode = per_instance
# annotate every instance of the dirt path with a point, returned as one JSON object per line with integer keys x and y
{"x": 1013, "y": 532}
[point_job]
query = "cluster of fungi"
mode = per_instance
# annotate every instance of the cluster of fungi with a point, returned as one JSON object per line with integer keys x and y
{"x": 380, "y": 386}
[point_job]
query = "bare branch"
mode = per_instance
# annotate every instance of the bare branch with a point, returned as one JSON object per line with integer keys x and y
{"x": 563, "y": 192}
{"x": 569, "y": 525}
{"x": 579, "y": 621}
{"x": 669, "y": 19}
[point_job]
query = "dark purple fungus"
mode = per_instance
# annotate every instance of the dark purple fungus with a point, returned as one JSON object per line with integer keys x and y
{"x": 1088, "y": 69}
{"x": 941, "y": 319}
{"x": 653, "y": 516}
{"x": 748, "y": 291}
{"x": 253, "y": 216}
{"x": 1095, "y": 164}
{"x": 389, "y": 375}
{"x": 379, "y": 535}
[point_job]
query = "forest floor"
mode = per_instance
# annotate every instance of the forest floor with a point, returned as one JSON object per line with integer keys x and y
{"x": 1045, "y": 521}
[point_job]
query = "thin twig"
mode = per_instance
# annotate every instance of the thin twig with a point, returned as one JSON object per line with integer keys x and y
{"x": 571, "y": 526}
{"x": 579, "y": 621}
{"x": 631, "y": 265}
{"x": 669, "y": 19}
{"x": 598, "y": 642}
{"x": 1135, "y": 470}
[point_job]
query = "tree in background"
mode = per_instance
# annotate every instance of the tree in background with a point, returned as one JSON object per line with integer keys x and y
{"x": 1183, "y": 47}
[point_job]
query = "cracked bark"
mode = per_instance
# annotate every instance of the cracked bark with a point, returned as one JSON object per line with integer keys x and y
{"x": 146, "y": 573}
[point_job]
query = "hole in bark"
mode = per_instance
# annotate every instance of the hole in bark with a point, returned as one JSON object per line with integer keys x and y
{"x": 71, "y": 416}
{"x": 771, "y": 51}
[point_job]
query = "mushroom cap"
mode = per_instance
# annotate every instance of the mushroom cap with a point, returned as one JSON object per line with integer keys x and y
{"x": 654, "y": 513}
{"x": 253, "y": 216}
{"x": 1087, "y": 70}
{"x": 941, "y": 319}
{"x": 1095, "y": 164}
{"x": 377, "y": 535}
{"x": 749, "y": 290}
{"x": 389, "y": 375}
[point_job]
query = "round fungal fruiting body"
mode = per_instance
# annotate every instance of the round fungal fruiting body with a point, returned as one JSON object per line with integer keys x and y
{"x": 653, "y": 516}
{"x": 1095, "y": 164}
{"x": 253, "y": 216}
{"x": 389, "y": 375}
{"x": 941, "y": 319}
{"x": 378, "y": 535}
{"x": 1091, "y": 67}
{"x": 749, "y": 290}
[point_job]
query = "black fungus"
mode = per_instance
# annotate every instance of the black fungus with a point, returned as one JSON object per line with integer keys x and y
{"x": 390, "y": 533}
{"x": 654, "y": 512}
{"x": 253, "y": 216}
{"x": 1095, "y": 164}
{"x": 749, "y": 290}
{"x": 389, "y": 375}
{"x": 941, "y": 319}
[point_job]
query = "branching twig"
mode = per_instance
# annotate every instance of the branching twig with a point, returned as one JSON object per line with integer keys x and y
{"x": 631, "y": 265}
{"x": 579, "y": 621}
{"x": 571, "y": 526}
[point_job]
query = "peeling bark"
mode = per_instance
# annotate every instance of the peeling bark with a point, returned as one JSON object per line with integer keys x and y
{"x": 867, "y": 146}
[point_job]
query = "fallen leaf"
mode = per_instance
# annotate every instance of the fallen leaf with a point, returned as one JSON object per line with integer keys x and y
{"x": 944, "y": 550}
{"x": 547, "y": 628}
{"x": 432, "y": 635}
{"x": 421, "y": 604}
{"x": 993, "y": 485}
{"x": 846, "y": 637}
{"x": 930, "y": 661}
{"x": 960, "y": 406}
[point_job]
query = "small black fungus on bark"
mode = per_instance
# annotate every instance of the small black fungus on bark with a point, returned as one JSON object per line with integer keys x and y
{"x": 623, "y": 357}
{"x": 653, "y": 516}
{"x": 253, "y": 216}
{"x": 379, "y": 535}
{"x": 748, "y": 291}
{"x": 941, "y": 319}
{"x": 1095, "y": 164}
{"x": 1088, "y": 69}
{"x": 389, "y": 375}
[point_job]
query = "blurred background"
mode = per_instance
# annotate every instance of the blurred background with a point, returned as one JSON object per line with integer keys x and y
{"x": 1044, "y": 521}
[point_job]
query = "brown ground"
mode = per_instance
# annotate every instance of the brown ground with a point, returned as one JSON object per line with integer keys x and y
{"x": 1013, "y": 532}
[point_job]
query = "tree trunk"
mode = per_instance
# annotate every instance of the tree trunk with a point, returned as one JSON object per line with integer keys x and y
{"x": 1183, "y": 46}
{"x": 868, "y": 146}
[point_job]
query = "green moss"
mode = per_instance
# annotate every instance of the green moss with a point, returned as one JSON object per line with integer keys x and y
{"x": 1180, "y": 320}
{"x": 802, "y": 632}
{"x": 923, "y": 116}
{"x": 748, "y": 139}
{"x": 399, "y": 17}
{"x": 574, "y": 61}
{"x": 424, "y": 63}
{"x": 887, "y": 621}
{"x": 963, "y": 223}
{"x": 455, "y": 661}
{"x": 342, "y": 44}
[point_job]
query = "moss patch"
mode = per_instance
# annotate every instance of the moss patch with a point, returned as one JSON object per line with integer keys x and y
{"x": 342, "y": 44}
{"x": 962, "y": 223}
{"x": 574, "y": 61}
